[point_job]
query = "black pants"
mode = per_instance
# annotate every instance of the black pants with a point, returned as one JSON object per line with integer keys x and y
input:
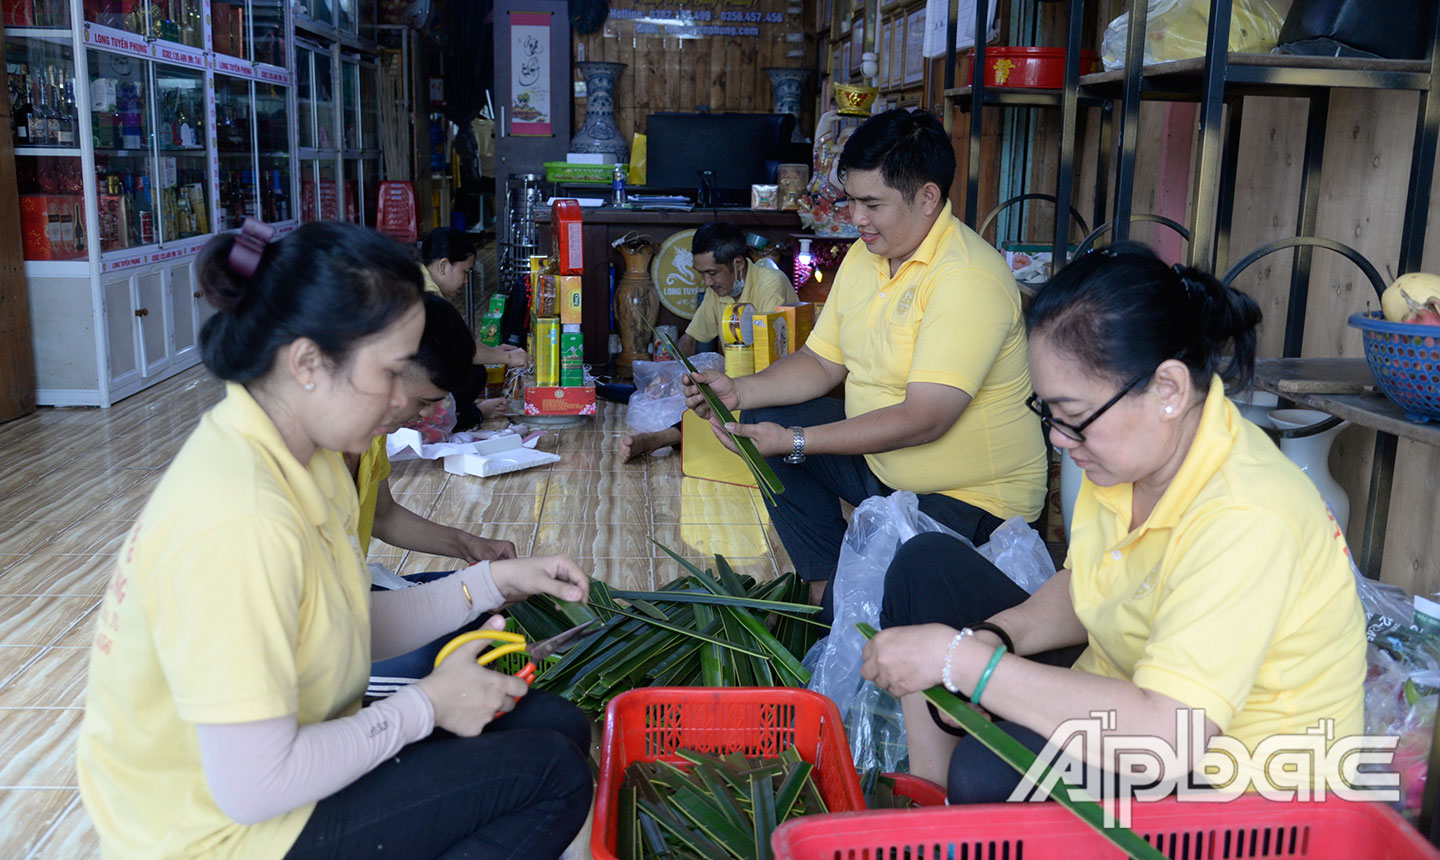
{"x": 807, "y": 515}
{"x": 937, "y": 579}
{"x": 521, "y": 789}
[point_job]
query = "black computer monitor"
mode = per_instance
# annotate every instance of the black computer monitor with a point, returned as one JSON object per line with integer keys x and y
{"x": 740, "y": 149}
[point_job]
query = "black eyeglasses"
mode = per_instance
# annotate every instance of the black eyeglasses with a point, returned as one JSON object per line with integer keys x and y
{"x": 1076, "y": 432}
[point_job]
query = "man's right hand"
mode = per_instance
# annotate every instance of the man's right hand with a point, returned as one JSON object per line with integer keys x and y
{"x": 466, "y": 696}
{"x": 722, "y": 385}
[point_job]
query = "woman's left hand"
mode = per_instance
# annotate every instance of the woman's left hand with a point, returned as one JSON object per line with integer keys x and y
{"x": 555, "y": 575}
{"x": 905, "y": 660}
{"x": 514, "y": 356}
{"x": 475, "y": 549}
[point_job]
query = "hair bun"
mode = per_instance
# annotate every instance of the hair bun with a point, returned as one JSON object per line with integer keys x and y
{"x": 225, "y": 289}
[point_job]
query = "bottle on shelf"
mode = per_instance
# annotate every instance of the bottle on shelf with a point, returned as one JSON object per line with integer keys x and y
{"x": 130, "y": 136}
{"x": 21, "y": 111}
{"x": 64, "y": 120}
{"x": 184, "y": 123}
{"x": 145, "y": 212}
{"x": 40, "y": 127}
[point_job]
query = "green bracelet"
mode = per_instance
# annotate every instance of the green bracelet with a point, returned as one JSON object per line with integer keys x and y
{"x": 985, "y": 676}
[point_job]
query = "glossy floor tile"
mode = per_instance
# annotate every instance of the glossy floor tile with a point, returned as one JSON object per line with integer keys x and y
{"x": 62, "y": 517}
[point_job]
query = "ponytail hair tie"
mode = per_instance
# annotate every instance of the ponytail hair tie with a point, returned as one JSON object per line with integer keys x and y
{"x": 249, "y": 247}
{"x": 1193, "y": 289}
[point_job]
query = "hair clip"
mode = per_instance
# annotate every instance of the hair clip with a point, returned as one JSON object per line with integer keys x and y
{"x": 250, "y": 247}
{"x": 1193, "y": 288}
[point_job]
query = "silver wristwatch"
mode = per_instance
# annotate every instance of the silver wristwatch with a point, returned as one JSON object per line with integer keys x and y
{"x": 797, "y": 455}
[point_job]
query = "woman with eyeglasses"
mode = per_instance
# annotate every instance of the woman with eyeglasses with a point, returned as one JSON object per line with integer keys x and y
{"x": 1207, "y": 590}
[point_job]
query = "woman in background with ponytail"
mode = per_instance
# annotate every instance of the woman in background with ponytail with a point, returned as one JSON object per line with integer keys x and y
{"x": 1204, "y": 571}
{"x": 223, "y": 713}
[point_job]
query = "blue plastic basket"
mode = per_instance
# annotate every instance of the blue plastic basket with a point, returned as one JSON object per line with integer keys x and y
{"x": 1405, "y": 359}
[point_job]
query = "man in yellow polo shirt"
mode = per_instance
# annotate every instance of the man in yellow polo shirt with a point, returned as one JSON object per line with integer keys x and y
{"x": 924, "y": 328}
{"x": 718, "y": 254}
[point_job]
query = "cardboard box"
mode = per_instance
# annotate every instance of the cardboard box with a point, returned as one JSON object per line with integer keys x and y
{"x": 567, "y": 232}
{"x": 547, "y": 351}
{"x": 572, "y": 356}
{"x": 772, "y": 341}
{"x": 568, "y": 290}
{"x": 555, "y": 400}
{"x": 799, "y": 320}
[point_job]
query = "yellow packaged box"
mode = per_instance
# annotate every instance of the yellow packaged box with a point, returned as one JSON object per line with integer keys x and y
{"x": 547, "y": 351}
{"x": 799, "y": 320}
{"x": 570, "y": 302}
{"x": 772, "y": 342}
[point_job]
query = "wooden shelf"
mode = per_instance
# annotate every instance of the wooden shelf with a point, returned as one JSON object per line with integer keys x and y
{"x": 1374, "y": 411}
{"x": 1257, "y": 74}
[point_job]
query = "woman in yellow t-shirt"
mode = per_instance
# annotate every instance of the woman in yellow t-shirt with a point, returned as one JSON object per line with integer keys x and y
{"x": 446, "y": 257}
{"x": 1207, "y": 590}
{"x": 223, "y": 712}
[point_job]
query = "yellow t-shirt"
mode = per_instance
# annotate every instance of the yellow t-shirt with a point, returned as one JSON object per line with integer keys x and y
{"x": 430, "y": 285}
{"x": 765, "y": 288}
{"x": 1235, "y": 595}
{"x": 951, "y": 315}
{"x": 239, "y": 595}
{"x": 374, "y": 467}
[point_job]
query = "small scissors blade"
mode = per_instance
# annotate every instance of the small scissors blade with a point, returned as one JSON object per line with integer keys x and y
{"x": 543, "y": 649}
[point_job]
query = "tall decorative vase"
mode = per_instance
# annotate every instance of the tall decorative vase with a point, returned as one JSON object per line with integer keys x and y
{"x": 637, "y": 305}
{"x": 787, "y": 84}
{"x": 1312, "y": 454}
{"x": 599, "y": 134}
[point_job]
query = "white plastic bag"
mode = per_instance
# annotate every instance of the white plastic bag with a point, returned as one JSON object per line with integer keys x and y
{"x": 1176, "y": 30}
{"x": 659, "y": 398}
{"x": 877, "y": 529}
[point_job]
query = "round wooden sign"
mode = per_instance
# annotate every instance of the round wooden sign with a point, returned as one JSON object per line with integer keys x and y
{"x": 675, "y": 279}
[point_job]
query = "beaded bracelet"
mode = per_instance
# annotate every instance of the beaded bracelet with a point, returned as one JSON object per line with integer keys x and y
{"x": 985, "y": 676}
{"x": 949, "y": 655}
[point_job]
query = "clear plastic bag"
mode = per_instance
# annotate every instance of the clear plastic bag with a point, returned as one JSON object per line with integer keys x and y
{"x": 659, "y": 398}
{"x": 1176, "y": 30}
{"x": 877, "y": 529}
{"x": 439, "y": 425}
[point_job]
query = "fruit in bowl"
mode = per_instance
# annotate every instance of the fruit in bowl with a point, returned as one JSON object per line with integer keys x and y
{"x": 1411, "y": 295}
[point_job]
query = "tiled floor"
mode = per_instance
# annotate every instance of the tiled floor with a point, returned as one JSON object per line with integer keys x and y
{"x": 74, "y": 480}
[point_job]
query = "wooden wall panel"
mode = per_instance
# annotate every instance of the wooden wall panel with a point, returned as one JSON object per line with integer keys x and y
{"x": 672, "y": 74}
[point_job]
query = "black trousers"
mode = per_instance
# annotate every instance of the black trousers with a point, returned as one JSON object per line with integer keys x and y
{"x": 520, "y": 791}
{"x": 937, "y": 579}
{"x": 807, "y": 515}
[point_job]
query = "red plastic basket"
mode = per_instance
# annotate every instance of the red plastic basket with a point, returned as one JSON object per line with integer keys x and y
{"x": 651, "y": 724}
{"x": 1242, "y": 829}
{"x": 1030, "y": 68}
{"x": 922, "y": 791}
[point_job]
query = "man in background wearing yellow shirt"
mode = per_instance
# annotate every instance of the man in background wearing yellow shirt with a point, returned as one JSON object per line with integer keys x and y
{"x": 924, "y": 328}
{"x": 718, "y": 255}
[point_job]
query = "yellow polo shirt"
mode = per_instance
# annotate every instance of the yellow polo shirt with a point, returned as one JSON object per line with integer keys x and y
{"x": 951, "y": 315}
{"x": 1235, "y": 595}
{"x": 430, "y": 285}
{"x": 239, "y": 595}
{"x": 374, "y": 467}
{"x": 765, "y": 288}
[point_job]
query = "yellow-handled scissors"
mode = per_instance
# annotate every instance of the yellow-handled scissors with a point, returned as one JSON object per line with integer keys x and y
{"x": 514, "y": 643}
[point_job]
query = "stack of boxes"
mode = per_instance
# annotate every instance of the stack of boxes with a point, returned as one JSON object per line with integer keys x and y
{"x": 555, "y": 306}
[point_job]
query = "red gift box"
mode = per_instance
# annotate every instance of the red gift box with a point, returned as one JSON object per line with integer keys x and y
{"x": 18, "y": 13}
{"x": 567, "y": 233}
{"x": 560, "y": 400}
{"x": 47, "y": 239}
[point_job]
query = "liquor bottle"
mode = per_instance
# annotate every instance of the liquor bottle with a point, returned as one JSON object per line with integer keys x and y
{"x": 22, "y": 111}
{"x": 40, "y": 127}
{"x": 72, "y": 112}
{"x": 129, "y": 116}
{"x": 169, "y": 137}
{"x": 64, "y": 123}
{"x": 184, "y": 215}
{"x": 79, "y": 216}
{"x": 184, "y": 122}
{"x": 146, "y": 212}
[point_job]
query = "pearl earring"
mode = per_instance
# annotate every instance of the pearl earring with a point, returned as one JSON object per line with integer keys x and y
{"x": 310, "y": 386}
{"x": 1169, "y": 410}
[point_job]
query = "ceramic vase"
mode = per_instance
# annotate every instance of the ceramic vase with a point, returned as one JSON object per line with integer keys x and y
{"x": 599, "y": 133}
{"x": 1312, "y": 454}
{"x": 787, "y": 85}
{"x": 637, "y": 306}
